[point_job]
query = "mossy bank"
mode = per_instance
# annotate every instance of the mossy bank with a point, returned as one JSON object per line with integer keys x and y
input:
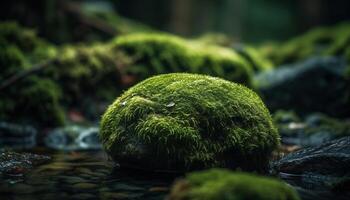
{"x": 219, "y": 184}
{"x": 160, "y": 53}
{"x": 183, "y": 121}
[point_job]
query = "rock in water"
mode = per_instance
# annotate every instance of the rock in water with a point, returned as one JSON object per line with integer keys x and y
{"x": 222, "y": 184}
{"x": 324, "y": 166}
{"x": 316, "y": 85}
{"x": 72, "y": 138}
{"x": 17, "y": 164}
{"x": 17, "y": 136}
{"x": 185, "y": 121}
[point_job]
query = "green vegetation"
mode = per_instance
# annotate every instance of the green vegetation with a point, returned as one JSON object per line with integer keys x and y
{"x": 153, "y": 54}
{"x": 323, "y": 41}
{"x": 220, "y": 184}
{"x": 33, "y": 100}
{"x": 188, "y": 121}
{"x": 256, "y": 60}
{"x": 85, "y": 73}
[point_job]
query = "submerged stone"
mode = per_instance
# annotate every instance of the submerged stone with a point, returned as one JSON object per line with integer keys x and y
{"x": 324, "y": 166}
{"x": 17, "y": 164}
{"x": 316, "y": 85}
{"x": 211, "y": 123}
{"x": 219, "y": 184}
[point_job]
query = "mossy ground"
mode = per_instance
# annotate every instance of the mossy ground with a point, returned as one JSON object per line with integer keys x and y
{"x": 188, "y": 121}
{"x": 219, "y": 184}
{"x": 164, "y": 53}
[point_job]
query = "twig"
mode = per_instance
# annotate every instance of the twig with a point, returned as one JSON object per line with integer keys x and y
{"x": 34, "y": 69}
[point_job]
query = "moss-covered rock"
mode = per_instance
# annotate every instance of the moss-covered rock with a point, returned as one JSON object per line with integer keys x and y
{"x": 153, "y": 54}
{"x": 219, "y": 184}
{"x": 186, "y": 121}
{"x": 321, "y": 41}
{"x": 26, "y": 40}
{"x": 256, "y": 60}
{"x": 32, "y": 101}
{"x": 86, "y": 73}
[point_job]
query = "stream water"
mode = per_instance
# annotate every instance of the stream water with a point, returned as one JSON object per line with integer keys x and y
{"x": 90, "y": 175}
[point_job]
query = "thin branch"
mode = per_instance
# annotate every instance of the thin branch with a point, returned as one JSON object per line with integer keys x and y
{"x": 34, "y": 69}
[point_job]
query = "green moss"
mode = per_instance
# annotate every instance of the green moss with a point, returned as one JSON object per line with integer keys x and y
{"x": 86, "y": 72}
{"x": 11, "y": 61}
{"x": 218, "y": 39}
{"x": 32, "y": 101}
{"x": 153, "y": 54}
{"x": 26, "y": 40}
{"x": 322, "y": 41}
{"x": 186, "y": 121}
{"x": 283, "y": 116}
{"x": 219, "y": 184}
{"x": 255, "y": 58}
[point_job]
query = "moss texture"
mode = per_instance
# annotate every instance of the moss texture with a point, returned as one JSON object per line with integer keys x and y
{"x": 219, "y": 184}
{"x": 183, "y": 121}
{"x": 153, "y": 54}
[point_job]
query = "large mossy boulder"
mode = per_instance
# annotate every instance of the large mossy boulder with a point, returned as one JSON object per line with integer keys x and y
{"x": 219, "y": 184}
{"x": 153, "y": 54}
{"x": 183, "y": 121}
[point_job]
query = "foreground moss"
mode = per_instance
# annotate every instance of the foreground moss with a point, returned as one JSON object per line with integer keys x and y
{"x": 219, "y": 184}
{"x": 163, "y": 53}
{"x": 186, "y": 121}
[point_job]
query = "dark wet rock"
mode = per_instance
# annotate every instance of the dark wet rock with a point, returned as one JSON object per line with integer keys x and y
{"x": 324, "y": 166}
{"x": 17, "y": 136}
{"x": 314, "y": 130}
{"x": 17, "y": 164}
{"x": 316, "y": 85}
{"x": 74, "y": 138}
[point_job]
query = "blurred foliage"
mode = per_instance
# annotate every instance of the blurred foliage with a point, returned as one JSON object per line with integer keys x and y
{"x": 164, "y": 53}
{"x": 322, "y": 41}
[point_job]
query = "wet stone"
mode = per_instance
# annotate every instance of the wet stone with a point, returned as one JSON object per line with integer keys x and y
{"x": 85, "y": 186}
{"x": 321, "y": 79}
{"x": 324, "y": 166}
{"x": 17, "y": 164}
{"x": 83, "y": 196}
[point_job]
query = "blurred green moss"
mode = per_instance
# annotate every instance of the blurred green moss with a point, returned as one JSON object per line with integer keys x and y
{"x": 164, "y": 53}
{"x": 221, "y": 184}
